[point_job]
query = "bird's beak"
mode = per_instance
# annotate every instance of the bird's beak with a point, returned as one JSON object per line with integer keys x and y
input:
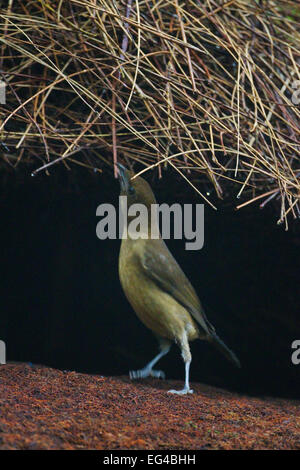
{"x": 123, "y": 177}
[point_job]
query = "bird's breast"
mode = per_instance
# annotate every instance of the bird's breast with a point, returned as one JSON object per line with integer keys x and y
{"x": 157, "y": 309}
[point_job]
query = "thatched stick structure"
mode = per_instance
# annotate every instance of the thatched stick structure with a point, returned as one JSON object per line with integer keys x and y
{"x": 210, "y": 88}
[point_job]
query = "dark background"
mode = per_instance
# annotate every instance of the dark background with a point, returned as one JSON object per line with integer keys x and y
{"x": 62, "y": 304}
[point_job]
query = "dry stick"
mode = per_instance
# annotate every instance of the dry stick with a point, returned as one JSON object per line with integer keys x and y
{"x": 8, "y": 13}
{"x": 152, "y": 30}
{"x": 267, "y": 121}
{"x": 114, "y": 136}
{"x": 193, "y": 186}
{"x": 38, "y": 110}
{"x": 186, "y": 49}
{"x": 138, "y": 55}
{"x": 256, "y": 198}
{"x": 53, "y": 162}
{"x": 67, "y": 152}
{"x": 30, "y": 118}
{"x": 169, "y": 158}
{"x": 125, "y": 35}
{"x": 238, "y": 116}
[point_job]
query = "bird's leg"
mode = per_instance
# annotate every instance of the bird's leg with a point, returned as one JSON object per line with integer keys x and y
{"x": 148, "y": 369}
{"x": 187, "y": 357}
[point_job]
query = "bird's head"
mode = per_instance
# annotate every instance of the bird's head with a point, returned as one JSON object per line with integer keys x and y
{"x": 137, "y": 190}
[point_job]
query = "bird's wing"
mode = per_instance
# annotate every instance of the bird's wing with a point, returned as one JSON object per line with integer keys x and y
{"x": 160, "y": 266}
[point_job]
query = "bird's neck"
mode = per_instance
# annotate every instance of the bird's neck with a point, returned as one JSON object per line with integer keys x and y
{"x": 140, "y": 221}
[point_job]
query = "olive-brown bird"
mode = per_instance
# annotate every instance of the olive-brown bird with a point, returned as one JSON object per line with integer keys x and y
{"x": 158, "y": 290}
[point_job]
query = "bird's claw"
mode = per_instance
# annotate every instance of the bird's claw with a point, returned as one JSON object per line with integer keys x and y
{"x": 133, "y": 374}
{"x": 159, "y": 374}
{"x": 184, "y": 391}
{"x": 143, "y": 373}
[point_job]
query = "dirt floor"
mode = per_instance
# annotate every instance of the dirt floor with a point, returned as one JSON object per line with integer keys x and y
{"x": 43, "y": 408}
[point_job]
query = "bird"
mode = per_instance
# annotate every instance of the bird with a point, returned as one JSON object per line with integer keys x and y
{"x": 158, "y": 290}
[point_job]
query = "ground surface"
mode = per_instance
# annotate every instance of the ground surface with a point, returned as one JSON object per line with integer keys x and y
{"x": 43, "y": 408}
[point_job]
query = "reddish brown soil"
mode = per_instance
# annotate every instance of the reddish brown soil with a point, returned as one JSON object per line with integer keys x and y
{"x": 43, "y": 408}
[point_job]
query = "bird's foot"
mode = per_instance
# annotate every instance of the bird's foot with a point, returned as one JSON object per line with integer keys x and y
{"x": 143, "y": 373}
{"x": 184, "y": 391}
{"x": 159, "y": 374}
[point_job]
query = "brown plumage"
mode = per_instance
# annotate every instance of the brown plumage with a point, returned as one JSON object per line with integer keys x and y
{"x": 158, "y": 290}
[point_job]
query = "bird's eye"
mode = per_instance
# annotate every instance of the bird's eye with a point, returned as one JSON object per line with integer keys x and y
{"x": 131, "y": 190}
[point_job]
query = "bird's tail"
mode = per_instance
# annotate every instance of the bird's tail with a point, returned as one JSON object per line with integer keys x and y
{"x": 218, "y": 343}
